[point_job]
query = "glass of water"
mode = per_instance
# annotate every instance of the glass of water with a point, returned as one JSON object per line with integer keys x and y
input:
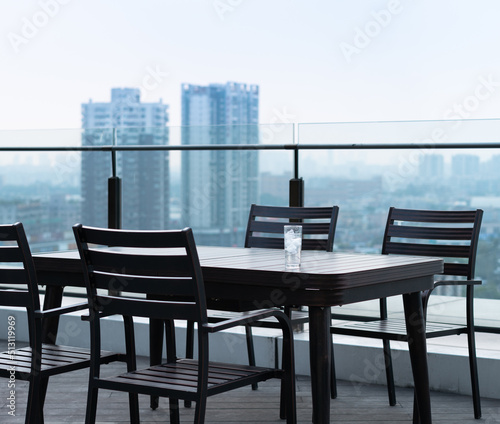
{"x": 293, "y": 246}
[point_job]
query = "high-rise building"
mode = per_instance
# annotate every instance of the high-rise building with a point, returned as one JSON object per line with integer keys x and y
{"x": 464, "y": 166}
{"x": 145, "y": 175}
{"x": 431, "y": 167}
{"x": 218, "y": 187}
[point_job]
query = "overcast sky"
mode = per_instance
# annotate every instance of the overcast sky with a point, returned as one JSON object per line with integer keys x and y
{"x": 314, "y": 60}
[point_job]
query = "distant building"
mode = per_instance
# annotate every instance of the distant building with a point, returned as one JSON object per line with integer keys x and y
{"x": 431, "y": 167}
{"x": 464, "y": 166}
{"x": 492, "y": 168}
{"x": 274, "y": 189}
{"x": 218, "y": 187}
{"x": 145, "y": 175}
{"x": 8, "y": 212}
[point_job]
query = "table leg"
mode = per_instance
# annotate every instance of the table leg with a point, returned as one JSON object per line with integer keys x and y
{"x": 320, "y": 359}
{"x": 155, "y": 349}
{"x": 415, "y": 326}
{"x": 53, "y": 299}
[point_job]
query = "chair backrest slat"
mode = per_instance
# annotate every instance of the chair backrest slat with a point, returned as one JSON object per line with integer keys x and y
{"x": 131, "y": 238}
{"x": 179, "y": 286}
{"x": 17, "y": 268}
{"x": 10, "y": 254}
{"x": 416, "y": 215}
{"x": 451, "y": 235}
{"x": 432, "y": 233}
{"x": 442, "y": 251}
{"x": 143, "y": 264}
{"x": 275, "y": 227}
{"x": 166, "y": 310}
{"x": 266, "y": 226}
{"x": 164, "y": 265}
{"x": 15, "y": 298}
{"x": 13, "y": 276}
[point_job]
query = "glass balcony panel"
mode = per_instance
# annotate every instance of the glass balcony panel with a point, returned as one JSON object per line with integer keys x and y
{"x": 366, "y": 182}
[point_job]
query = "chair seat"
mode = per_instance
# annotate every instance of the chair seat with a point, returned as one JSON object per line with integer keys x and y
{"x": 297, "y": 317}
{"x": 55, "y": 359}
{"x": 182, "y": 376}
{"x": 392, "y": 329}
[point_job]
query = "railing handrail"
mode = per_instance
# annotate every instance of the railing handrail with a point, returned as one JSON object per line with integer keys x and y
{"x": 298, "y": 146}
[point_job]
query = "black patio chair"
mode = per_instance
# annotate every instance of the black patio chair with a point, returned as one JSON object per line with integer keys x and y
{"x": 159, "y": 277}
{"x": 39, "y": 361}
{"x": 265, "y": 230}
{"x": 452, "y": 235}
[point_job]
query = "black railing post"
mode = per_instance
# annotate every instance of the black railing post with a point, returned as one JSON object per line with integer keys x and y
{"x": 114, "y": 202}
{"x": 114, "y": 193}
{"x": 296, "y": 195}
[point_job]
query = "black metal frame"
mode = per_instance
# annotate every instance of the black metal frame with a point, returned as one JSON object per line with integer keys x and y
{"x": 40, "y": 360}
{"x": 164, "y": 265}
{"x": 451, "y": 235}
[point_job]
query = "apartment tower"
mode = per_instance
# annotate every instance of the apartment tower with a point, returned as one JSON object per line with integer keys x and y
{"x": 125, "y": 121}
{"x": 219, "y": 186}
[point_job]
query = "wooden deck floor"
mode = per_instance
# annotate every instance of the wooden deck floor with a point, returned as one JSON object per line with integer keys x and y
{"x": 66, "y": 399}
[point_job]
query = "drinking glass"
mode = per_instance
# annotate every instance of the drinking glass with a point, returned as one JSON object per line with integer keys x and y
{"x": 293, "y": 246}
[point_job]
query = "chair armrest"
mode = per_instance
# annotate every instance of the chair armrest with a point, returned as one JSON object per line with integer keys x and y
{"x": 250, "y": 318}
{"x": 457, "y": 283}
{"x": 86, "y": 317}
{"x": 61, "y": 310}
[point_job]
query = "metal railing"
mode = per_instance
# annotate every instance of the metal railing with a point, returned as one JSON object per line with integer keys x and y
{"x": 473, "y": 136}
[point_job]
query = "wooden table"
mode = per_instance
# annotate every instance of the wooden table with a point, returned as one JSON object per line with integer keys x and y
{"x": 325, "y": 279}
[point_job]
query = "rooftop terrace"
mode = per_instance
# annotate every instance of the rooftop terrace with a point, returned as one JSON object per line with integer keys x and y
{"x": 66, "y": 400}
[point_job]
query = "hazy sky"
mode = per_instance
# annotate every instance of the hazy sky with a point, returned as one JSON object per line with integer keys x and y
{"x": 314, "y": 60}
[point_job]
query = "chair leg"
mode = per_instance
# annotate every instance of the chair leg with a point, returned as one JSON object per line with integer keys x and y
{"x": 91, "y": 413}
{"x": 133, "y": 398}
{"x": 471, "y": 338}
{"x": 416, "y": 414}
{"x": 155, "y": 350}
{"x": 333, "y": 376}
{"x": 250, "y": 350}
{"x": 174, "y": 411}
{"x": 282, "y": 384}
{"x": 389, "y": 373}
{"x": 43, "y": 392}
{"x": 133, "y": 402}
{"x": 34, "y": 411}
{"x": 189, "y": 349}
{"x": 200, "y": 411}
{"x": 288, "y": 382}
{"x": 476, "y": 398}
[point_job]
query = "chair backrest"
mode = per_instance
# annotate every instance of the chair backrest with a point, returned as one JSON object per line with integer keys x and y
{"x": 163, "y": 265}
{"x": 18, "y": 282}
{"x": 451, "y": 235}
{"x": 266, "y": 225}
